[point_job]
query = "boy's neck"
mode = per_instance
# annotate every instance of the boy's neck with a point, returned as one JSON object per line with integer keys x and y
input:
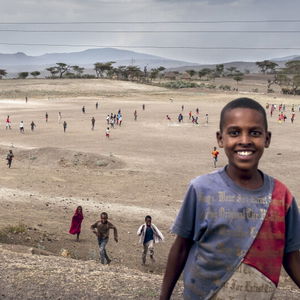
{"x": 249, "y": 179}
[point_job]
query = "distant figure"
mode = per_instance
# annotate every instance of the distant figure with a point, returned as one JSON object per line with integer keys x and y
{"x": 76, "y": 222}
{"x": 107, "y": 132}
{"x": 101, "y": 230}
{"x": 83, "y": 109}
{"x": 107, "y": 119}
{"x": 206, "y": 119}
{"x": 32, "y": 125}
{"x": 215, "y": 153}
{"x": 65, "y": 126}
{"x": 149, "y": 235}
{"x": 93, "y": 123}
{"x": 182, "y": 107}
{"x": 46, "y": 117}
{"x": 26, "y": 99}
{"x": 59, "y": 117}
{"x": 190, "y": 115}
{"x": 135, "y": 115}
{"x": 293, "y": 118}
{"x": 21, "y": 126}
{"x": 9, "y": 158}
{"x": 7, "y": 125}
{"x": 96, "y": 105}
{"x": 197, "y": 111}
{"x": 168, "y": 117}
{"x": 120, "y": 120}
{"x": 143, "y": 106}
{"x": 180, "y": 118}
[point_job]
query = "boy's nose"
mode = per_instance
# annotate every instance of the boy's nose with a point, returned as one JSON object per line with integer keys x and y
{"x": 245, "y": 139}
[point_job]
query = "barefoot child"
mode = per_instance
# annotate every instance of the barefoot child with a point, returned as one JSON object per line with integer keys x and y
{"x": 237, "y": 225}
{"x": 149, "y": 234}
{"x": 76, "y": 222}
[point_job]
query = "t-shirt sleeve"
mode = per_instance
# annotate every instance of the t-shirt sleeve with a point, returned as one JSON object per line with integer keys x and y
{"x": 94, "y": 225}
{"x": 184, "y": 224}
{"x": 292, "y": 233}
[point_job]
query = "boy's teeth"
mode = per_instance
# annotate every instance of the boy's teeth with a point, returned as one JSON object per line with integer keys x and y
{"x": 244, "y": 153}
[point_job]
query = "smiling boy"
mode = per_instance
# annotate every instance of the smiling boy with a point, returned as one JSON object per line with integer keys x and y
{"x": 237, "y": 225}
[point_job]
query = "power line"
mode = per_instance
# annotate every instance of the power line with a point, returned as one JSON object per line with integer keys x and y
{"x": 153, "y": 22}
{"x": 151, "y": 47}
{"x": 152, "y": 31}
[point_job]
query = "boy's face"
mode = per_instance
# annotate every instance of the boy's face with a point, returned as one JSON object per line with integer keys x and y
{"x": 148, "y": 221}
{"x": 243, "y": 137}
{"x": 103, "y": 218}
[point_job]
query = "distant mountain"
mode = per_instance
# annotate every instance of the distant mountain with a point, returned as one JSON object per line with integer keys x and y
{"x": 21, "y": 62}
{"x": 286, "y": 58}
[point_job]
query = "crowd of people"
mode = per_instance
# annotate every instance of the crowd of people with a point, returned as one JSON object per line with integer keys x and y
{"x": 235, "y": 225}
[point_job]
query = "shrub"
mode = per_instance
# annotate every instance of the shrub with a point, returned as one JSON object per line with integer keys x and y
{"x": 180, "y": 84}
{"x": 225, "y": 87}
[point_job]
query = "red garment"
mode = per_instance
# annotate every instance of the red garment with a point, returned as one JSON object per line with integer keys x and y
{"x": 270, "y": 241}
{"x": 76, "y": 222}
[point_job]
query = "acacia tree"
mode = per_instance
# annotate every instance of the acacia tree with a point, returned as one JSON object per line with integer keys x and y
{"x": 135, "y": 73}
{"x": 154, "y": 73}
{"x": 238, "y": 77}
{"x": 53, "y": 71}
{"x": 102, "y": 69}
{"x": 3, "y": 73}
{"x": 23, "y": 75}
{"x": 78, "y": 70}
{"x": 35, "y": 74}
{"x": 191, "y": 72}
{"x": 231, "y": 70}
{"x": 289, "y": 77}
{"x": 219, "y": 70}
{"x": 204, "y": 72}
{"x": 267, "y": 65}
{"x": 62, "y": 68}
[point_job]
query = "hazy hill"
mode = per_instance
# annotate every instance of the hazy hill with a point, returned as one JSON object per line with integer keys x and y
{"x": 21, "y": 62}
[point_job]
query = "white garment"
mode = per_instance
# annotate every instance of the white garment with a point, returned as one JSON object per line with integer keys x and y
{"x": 246, "y": 283}
{"x": 157, "y": 235}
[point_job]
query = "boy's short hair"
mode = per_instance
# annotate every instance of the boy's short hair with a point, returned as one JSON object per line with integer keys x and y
{"x": 148, "y": 217}
{"x": 104, "y": 214}
{"x": 243, "y": 103}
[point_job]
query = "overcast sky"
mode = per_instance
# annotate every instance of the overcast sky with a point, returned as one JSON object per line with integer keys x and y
{"x": 17, "y": 11}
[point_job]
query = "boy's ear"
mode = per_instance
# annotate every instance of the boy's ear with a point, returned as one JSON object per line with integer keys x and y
{"x": 219, "y": 139}
{"x": 268, "y": 139}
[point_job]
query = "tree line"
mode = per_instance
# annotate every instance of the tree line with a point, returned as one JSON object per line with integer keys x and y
{"x": 288, "y": 77}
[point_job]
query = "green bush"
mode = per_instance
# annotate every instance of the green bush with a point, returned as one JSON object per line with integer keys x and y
{"x": 180, "y": 84}
{"x": 225, "y": 87}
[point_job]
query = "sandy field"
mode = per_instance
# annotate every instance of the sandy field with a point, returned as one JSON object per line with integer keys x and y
{"x": 143, "y": 168}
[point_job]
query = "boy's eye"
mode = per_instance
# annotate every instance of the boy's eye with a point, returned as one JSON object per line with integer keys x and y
{"x": 255, "y": 133}
{"x": 233, "y": 132}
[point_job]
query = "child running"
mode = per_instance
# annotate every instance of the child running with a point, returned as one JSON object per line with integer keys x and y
{"x": 215, "y": 153}
{"x": 76, "y": 222}
{"x": 107, "y": 132}
{"x": 101, "y": 230}
{"x": 237, "y": 225}
{"x": 9, "y": 158}
{"x": 7, "y": 125}
{"x": 149, "y": 234}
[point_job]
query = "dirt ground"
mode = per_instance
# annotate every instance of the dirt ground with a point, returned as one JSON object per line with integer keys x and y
{"x": 143, "y": 168}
